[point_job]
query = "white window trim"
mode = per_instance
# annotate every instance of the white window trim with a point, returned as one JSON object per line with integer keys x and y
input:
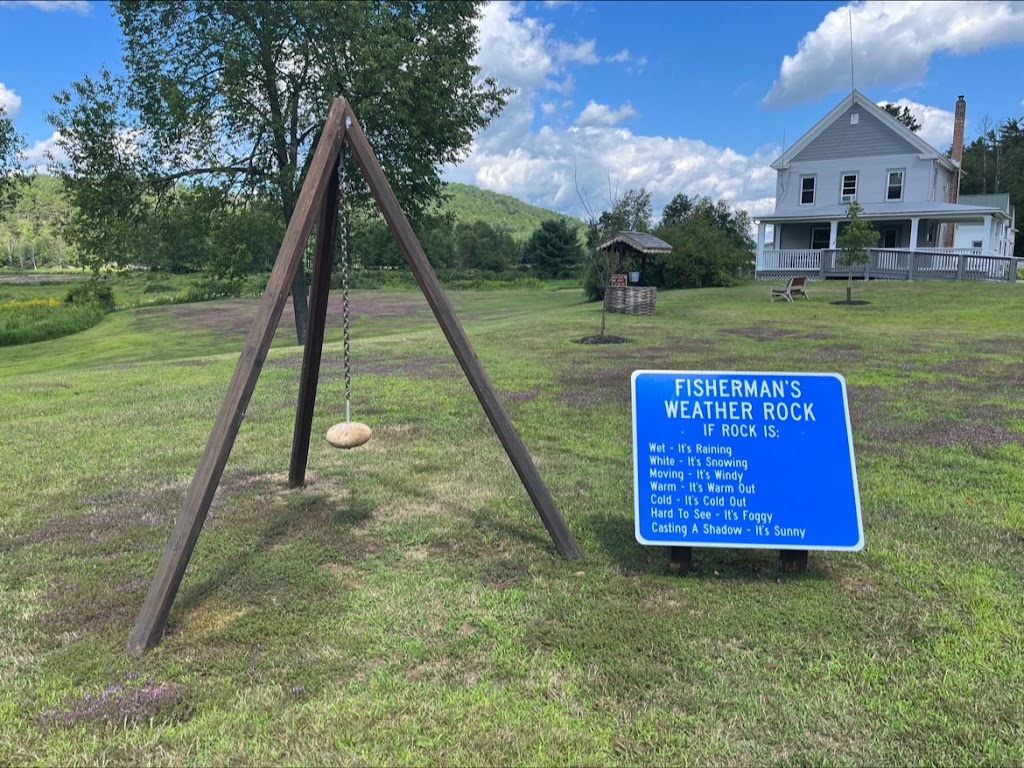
{"x": 814, "y": 188}
{"x": 903, "y": 184}
{"x": 844, "y": 198}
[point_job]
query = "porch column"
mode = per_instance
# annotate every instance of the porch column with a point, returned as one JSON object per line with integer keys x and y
{"x": 913, "y": 232}
{"x": 986, "y": 236}
{"x": 825, "y": 259}
{"x": 759, "y": 264}
{"x": 912, "y": 256}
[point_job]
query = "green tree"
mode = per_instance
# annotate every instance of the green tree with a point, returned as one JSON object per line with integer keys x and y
{"x": 904, "y": 115}
{"x": 484, "y": 248}
{"x": 994, "y": 162}
{"x": 854, "y": 241}
{"x": 554, "y": 250}
{"x": 12, "y": 168}
{"x": 631, "y": 212}
{"x": 710, "y": 242}
{"x": 234, "y": 94}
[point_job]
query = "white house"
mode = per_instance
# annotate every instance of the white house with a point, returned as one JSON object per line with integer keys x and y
{"x": 972, "y": 235}
{"x": 909, "y": 192}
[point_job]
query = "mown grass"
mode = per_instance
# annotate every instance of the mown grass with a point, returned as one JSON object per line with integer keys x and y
{"x": 407, "y": 606}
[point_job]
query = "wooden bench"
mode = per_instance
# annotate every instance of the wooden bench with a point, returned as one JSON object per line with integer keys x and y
{"x": 797, "y": 286}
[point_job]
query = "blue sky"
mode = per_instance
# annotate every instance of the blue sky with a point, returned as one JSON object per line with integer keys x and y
{"x": 675, "y": 97}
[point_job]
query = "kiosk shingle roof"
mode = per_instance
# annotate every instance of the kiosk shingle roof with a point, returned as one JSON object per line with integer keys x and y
{"x": 643, "y": 242}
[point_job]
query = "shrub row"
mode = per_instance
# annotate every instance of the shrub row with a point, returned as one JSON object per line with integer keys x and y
{"x": 25, "y": 322}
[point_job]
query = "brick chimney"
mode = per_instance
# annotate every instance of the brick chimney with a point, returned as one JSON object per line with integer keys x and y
{"x": 959, "y": 118}
{"x": 957, "y": 155}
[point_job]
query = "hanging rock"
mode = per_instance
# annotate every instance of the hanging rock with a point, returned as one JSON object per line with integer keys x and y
{"x": 348, "y": 434}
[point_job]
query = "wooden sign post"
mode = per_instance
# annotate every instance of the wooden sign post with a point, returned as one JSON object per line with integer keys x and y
{"x": 319, "y": 196}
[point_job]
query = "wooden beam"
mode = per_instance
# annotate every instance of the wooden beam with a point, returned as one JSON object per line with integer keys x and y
{"x": 149, "y": 627}
{"x": 310, "y": 377}
{"x": 446, "y": 318}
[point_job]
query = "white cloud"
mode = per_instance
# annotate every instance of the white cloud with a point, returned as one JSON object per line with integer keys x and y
{"x": 583, "y": 52}
{"x": 893, "y": 43}
{"x": 936, "y": 123}
{"x": 619, "y": 58}
{"x": 82, "y": 7}
{"x": 10, "y": 101}
{"x": 513, "y": 48}
{"x": 547, "y": 165}
{"x": 37, "y": 157}
{"x": 601, "y": 114}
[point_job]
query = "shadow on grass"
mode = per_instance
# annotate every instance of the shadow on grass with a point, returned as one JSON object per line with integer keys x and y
{"x": 615, "y": 535}
{"x": 311, "y": 510}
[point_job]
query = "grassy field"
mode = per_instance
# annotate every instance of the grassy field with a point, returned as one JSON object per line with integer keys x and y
{"x": 407, "y": 606}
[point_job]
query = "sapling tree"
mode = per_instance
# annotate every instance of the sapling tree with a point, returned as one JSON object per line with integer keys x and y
{"x": 858, "y": 236}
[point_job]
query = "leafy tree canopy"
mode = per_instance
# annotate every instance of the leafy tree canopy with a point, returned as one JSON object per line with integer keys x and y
{"x": 904, "y": 115}
{"x": 631, "y": 212}
{"x": 710, "y": 242}
{"x": 233, "y": 94}
{"x": 12, "y": 171}
{"x": 994, "y": 162}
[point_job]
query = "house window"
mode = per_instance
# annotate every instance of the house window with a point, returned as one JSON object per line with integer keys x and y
{"x": 894, "y": 185}
{"x": 890, "y": 237}
{"x": 849, "y": 189}
{"x": 976, "y": 244}
{"x": 820, "y": 238}
{"x": 806, "y": 190}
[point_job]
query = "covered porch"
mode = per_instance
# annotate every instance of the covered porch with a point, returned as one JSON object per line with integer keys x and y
{"x": 910, "y": 245}
{"x": 889, "y": 264}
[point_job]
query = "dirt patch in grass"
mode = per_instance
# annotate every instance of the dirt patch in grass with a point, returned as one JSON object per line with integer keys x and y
{"x": 766, "y": 332}
{"x": 232, "y": 318}
{"x": 973, "y": 421}
{"x": 587, "y": 386}
{"x": 518, "y": 396}
{"x": 602, "y": 339}
{"x": 130, "y": 514}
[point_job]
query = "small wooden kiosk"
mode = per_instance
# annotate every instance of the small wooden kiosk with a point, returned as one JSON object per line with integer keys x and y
{"x": 628, "y": 293}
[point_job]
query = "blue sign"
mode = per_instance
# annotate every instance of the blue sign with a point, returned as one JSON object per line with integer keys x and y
{"x": 739, "y": 459}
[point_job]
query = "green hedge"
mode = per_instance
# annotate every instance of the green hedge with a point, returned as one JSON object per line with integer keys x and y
{"x": 25, "y": 322}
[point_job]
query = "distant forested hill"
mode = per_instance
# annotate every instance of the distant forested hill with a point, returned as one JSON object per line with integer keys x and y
{"x": 518, "y": 218}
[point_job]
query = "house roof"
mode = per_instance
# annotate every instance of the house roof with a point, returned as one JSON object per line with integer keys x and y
{"x": 895, "y": 210}
{"x": 638, "y": 241}
{"x": 999, "y": 200}
{"x": 856, "y": 97}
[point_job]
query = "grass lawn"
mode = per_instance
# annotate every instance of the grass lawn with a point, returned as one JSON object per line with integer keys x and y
{"x": 407, "y": 605}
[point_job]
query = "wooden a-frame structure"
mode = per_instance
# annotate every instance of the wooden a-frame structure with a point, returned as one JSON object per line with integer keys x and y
{"x": 319, "y": 197}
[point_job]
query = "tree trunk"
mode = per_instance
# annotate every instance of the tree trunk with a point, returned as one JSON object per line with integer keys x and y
{"x": 849, "y": 285}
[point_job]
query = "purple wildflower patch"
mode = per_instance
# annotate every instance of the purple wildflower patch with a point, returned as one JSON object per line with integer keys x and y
{"x": 121, "y": 704}
{"x": 521, "y": 396}
{"x": 765, "y": 332}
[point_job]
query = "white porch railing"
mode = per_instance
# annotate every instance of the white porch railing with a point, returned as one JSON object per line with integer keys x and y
{"x": 807, "y": 259}
{"x": 893, "y": 264}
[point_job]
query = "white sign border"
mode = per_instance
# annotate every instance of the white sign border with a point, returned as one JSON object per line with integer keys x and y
{"x": 730, "y": 545}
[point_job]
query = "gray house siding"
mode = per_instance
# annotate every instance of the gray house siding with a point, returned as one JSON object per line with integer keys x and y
{"x": 872, "y": 177}
{"x": 842, "y": 139}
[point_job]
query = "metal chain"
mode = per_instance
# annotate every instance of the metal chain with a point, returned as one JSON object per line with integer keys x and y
{"x": 343, "y": 231}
